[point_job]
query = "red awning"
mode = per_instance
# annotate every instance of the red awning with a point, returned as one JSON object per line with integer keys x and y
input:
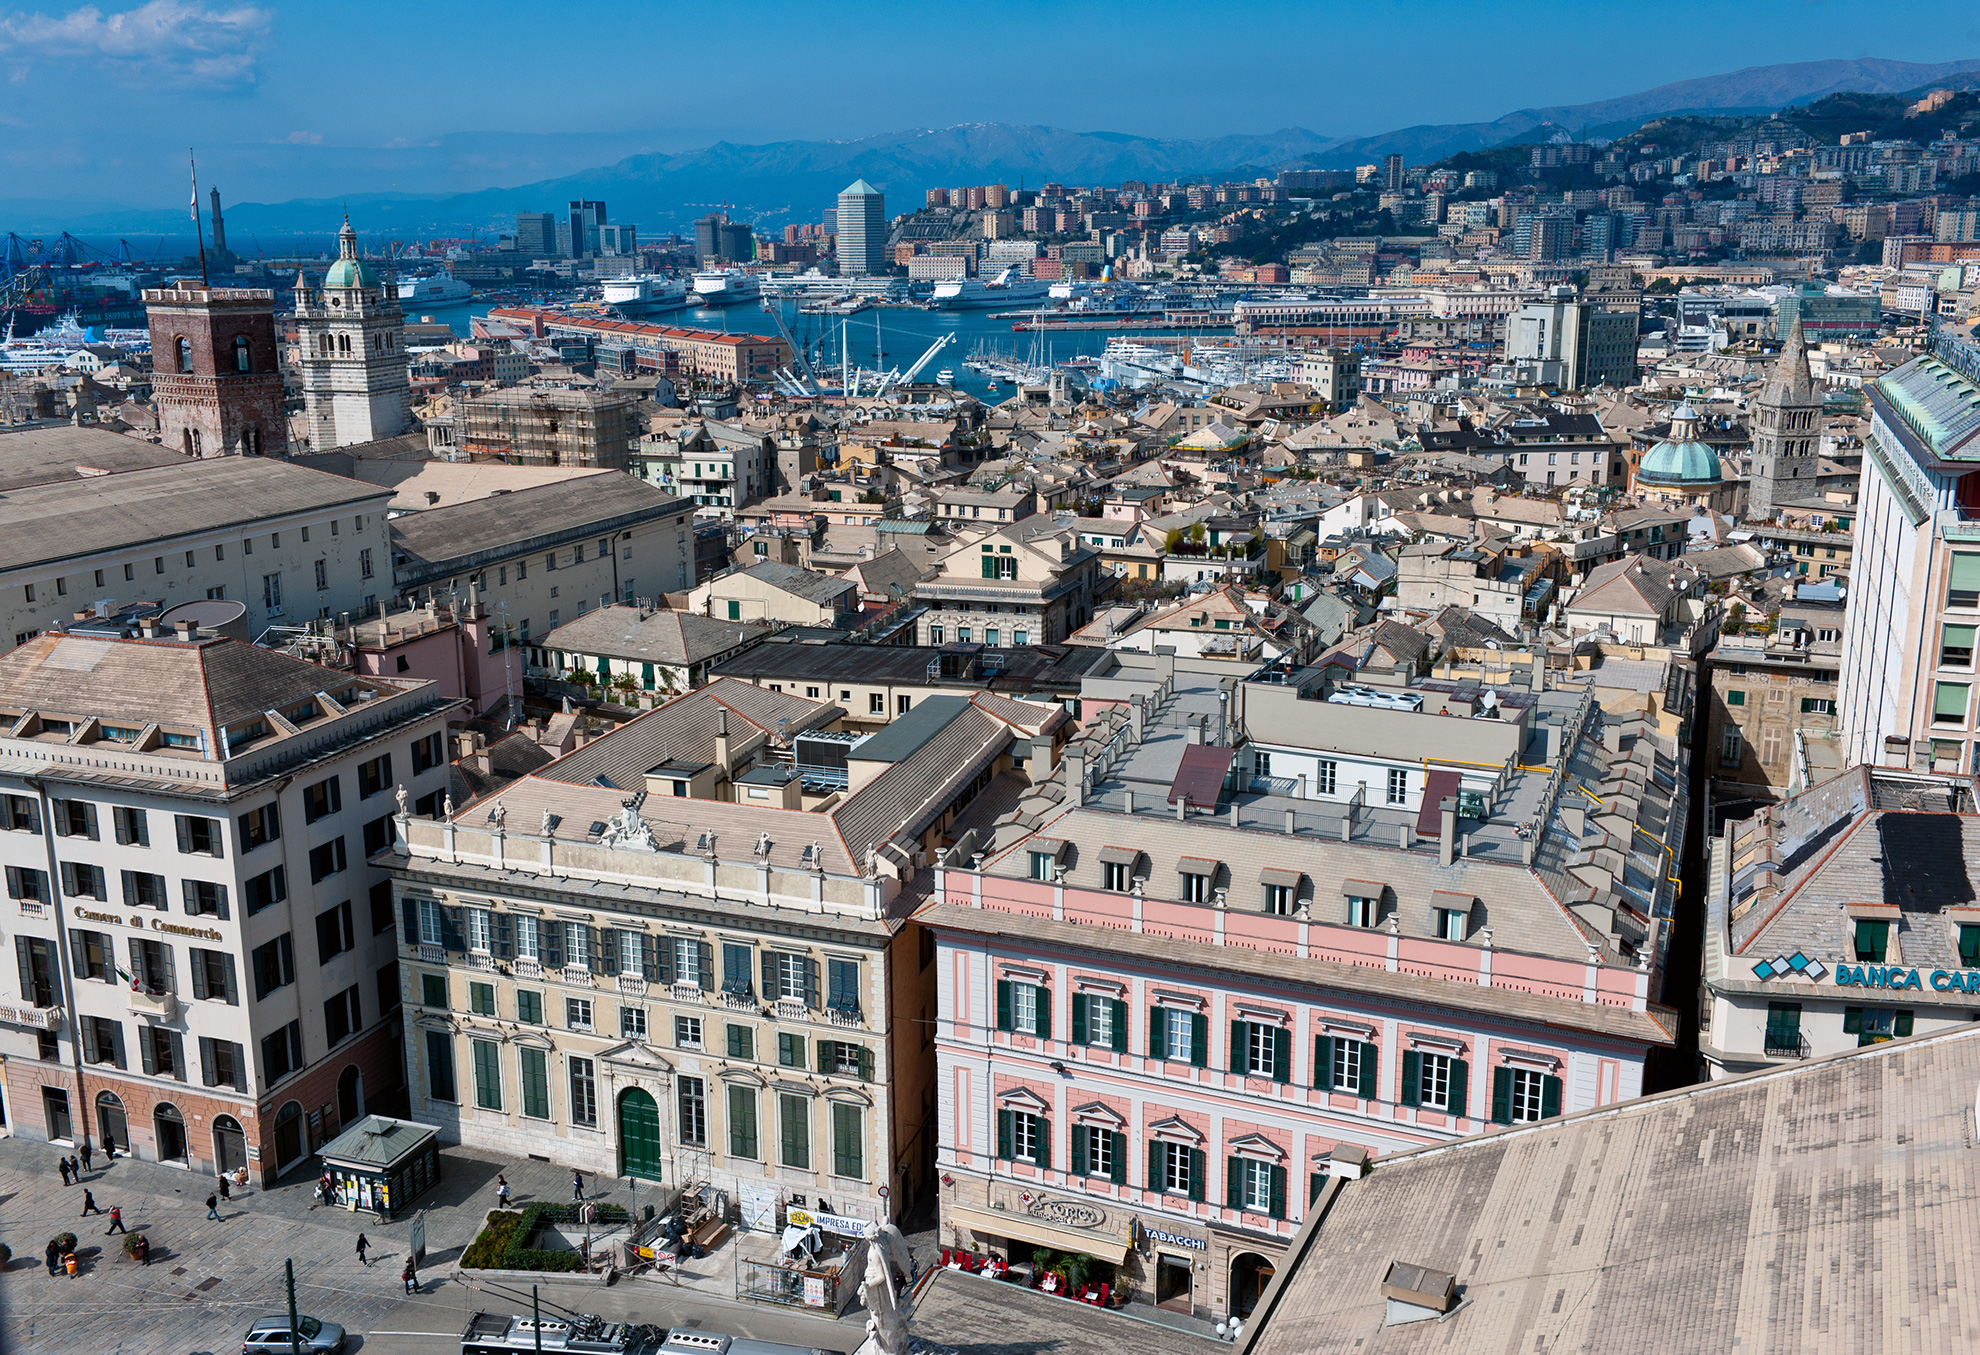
{"x": 1440, "y": 783}
{"x": 1200, "y": 778}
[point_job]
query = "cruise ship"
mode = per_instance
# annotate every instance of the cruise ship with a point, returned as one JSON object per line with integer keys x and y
{"x": 726, "y": 287}
{"x": 644, "y": 293}
{"x": 1010, "y": 289}
{"x": 437, "y": 290}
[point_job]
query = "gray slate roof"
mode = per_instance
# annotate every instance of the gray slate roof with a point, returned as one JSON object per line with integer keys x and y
{"x": 37, "y": 456}
{"x": 42, "y": 524}
{"x": 504, "y": 524}
{"x": 822, "y": 589}
{"x": 620, "y": 632}
{"x": 1827, "y": 1206}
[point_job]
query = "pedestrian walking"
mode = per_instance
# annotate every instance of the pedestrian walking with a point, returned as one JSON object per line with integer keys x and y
{"x": 212, "y": 1208}
{"x": 54, "y": 1257}
{"x": 86, "y": 1151}
{"x": 502, "y": 1190}
{"x": 109, "y": 1146}
{"x": 378, "y": 1204}
{"x": 363, "y": 1242}
{"x": 410, "y": 1276}
{"x": 116, "y": 1220}
{"x": 577, "y": 1185}
{"x": 224, "y": 1194}
{"x": 75, "y": 1168}
{"x": 62, "y": 1165}
{"x": 89, "y": 1204}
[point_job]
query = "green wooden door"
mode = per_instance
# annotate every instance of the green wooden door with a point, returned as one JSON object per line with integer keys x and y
{"x": 639, "y": 1135}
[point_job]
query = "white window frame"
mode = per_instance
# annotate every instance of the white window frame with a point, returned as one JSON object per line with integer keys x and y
{"x": 1178, "y": 1045}
{"x": 1433, "y": 1081}
{"x": 578, "y": 1013}
{"x": 1195, "y": 888}
{"x": 1117, "y": 876}
{"x": 632, "y": 1022}
{"x": 1523, "y": 1101}
{"x": 687, "y": 960}
{"x": 1363, "y": 911}
{"x": 1042, "y": 866}
{"x": 480, "y": 930}
{"x": 1025, "y": 1134}
{"x": 1325, "y": 774}
{"x": 790, "y": 975}
{"x": 688, "y": 1032}
{"x": 1100, "y": 1022}
{"x": 1100, "y": 1153}
{"x": 1261, "y": 1049}
{"x": 1453, "y": 923}
{"x": 1025, "y": 998}
{"x": 632, "y": 958}
{"x": 1347, "y": 1067}
{"x": 1396, "y": 788}
{"x": 527, "y": 947}
{"x": 1175, "y": 1168}
{"x": 429, "y": 922}
{"x": 577, "y": 945}
{"x": 1279, "y": 900}
{"x": 1257, "y": 1186}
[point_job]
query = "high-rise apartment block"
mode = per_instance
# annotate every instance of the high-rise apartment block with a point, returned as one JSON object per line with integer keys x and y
{"x": 1908, "y": 676}
{"x": 351, "y": 342}
{"x": 585, "y": 217}
{"x": 216, "y": 372}
{"x": 536, "y": 234}
{"x": 862, "y": 228}
{"x": 1392, "y": 173}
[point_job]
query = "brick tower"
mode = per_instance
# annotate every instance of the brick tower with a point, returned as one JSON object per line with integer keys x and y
{"x": 351, "y": 337}
{"x": 216, "y": 374}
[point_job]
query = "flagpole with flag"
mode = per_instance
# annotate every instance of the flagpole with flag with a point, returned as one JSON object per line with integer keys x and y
{"x": 199, "y": 234}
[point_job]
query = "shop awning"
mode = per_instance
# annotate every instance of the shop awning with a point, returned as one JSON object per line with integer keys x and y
{"x": 1023, "y": 1228}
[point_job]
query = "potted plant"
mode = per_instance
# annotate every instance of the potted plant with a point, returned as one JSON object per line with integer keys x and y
{"x": 131, "y": 1242}
{"x": 6, "y": 1256}
{"x": 65, "y": 1243}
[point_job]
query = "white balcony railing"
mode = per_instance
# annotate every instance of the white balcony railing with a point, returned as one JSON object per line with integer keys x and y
{"x": 432, "y": 954}
{"x": 792, "y": 1009}
{"x": 687, "y": 992}
{"x": 529, "y": 968}
{"x": 632, "y": 985}
{"x": 164, "y": 1006}
{"x": 481, "y": 960}
{"x": 33, "y": 908}
{"x": 577, "y": 976}
{"x": 738, "y": 1002}
{"x": 840, "y": 1017}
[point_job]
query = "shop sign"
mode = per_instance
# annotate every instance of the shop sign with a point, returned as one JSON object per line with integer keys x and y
{"x": 156, "y": 924}
{"x": 1894, "y": 977}
{"x": 1159, "y": 1234}
{"x": 814, "y": 1291}
{"x": 1065, "y": 1213}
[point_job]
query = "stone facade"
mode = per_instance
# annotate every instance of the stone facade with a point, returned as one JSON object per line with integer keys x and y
{"x": 352, "y": 353}
{"x": 216, "y": 371}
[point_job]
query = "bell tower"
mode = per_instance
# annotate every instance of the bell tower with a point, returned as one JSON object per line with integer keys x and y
{"x": 351, "y": 339}
{"x": 216, "y": 376}
{"x": 1787, "y": 433}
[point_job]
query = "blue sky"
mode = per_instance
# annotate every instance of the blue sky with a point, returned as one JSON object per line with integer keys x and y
{"x": 97, "y": 104}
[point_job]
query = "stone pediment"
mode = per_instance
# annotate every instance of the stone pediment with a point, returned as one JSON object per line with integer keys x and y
{"x": 630, "y": 1056}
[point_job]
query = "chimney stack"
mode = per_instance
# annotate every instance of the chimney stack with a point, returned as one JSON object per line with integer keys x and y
{"x": 722, "y": 738}
{"x": 1447, "y": 831}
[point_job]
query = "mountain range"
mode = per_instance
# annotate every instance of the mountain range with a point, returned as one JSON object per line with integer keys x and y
{"x": 789, "y": 181}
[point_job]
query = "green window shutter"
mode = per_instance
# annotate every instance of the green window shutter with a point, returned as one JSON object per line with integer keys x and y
{"x": 1314, "y": 1181}
{"x": 1460, "y": 1085}
{"x": 1966, "y": 572}
{"x": 1240, "y": 1037}
{"x": 1118, "y": 1173}
{"x": 1156, "y": 1034}
{"x": 1197, "y": 1166}
{"x": 1949, "y": 701}
{"x": 735, "y": 611}
{"x": 1853, "y": 1016}
{"x": 1370, "y": 1054}
{"x": 1282, "y": 1056}
{"x": 823, "y": 1052}
{"x": 989, "y": 567}
{"x": 865, "y": 1064}
{"x": 1969, "y": 946}
{"x": 1154, "y": 1164}
{"x": 1872, "y": 938}
{"x": 1120, "y": 1020}
{"x": 1901, "y": 1023}
{"x": 1044, "y": 1008}
{"x": 1323, "y": 1060}
{"x": 1079, "y": 1132}
{"x": 1502, "y": 1096}
{"x": 1199, "y": 1041}
{"x": 1235, "y": 1197}
{"x": 1550, "y": 1097}
{"x": 1078, "y": 1021}
{"x": 1004, "y": 1135}
{"x": 1003, "y": 1004}
{"x": 1412, "y": 1073}
{"x": 1278, "y": 1192}
{"x": 1044, "y": 1143}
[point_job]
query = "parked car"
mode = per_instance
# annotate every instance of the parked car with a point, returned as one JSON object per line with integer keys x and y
{"x": 270, "y": 1336}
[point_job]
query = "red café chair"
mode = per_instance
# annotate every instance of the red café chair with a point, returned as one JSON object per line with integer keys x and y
{"x": 1106, "y": 1299}
{"x": 945, "y": 1258}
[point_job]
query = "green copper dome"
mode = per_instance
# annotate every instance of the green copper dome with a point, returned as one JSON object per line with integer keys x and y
{"x": 1681, "y": 459}
{"x": 349, "y": 270}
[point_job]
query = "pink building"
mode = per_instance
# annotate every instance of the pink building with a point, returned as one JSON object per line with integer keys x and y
{"x": 1168, "y": 1008}
{"x": 463, "y": 651}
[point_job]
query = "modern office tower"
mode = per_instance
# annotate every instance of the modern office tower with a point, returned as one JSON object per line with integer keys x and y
{"x": 862, "y": 226}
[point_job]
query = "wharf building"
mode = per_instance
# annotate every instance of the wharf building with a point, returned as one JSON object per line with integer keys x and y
{"x": 351, "y": 347}
{"x": 206, "y": 968}
{"x": 1907, "y": 682}
{"x": 1843, "y": 916}
{"x": 216, "y": 370}
{"x": 1254, "y": 934}
{"x": 682, "y": 952}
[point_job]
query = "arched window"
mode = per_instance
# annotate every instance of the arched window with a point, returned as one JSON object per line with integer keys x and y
{"x": 343, "y": 343}
{"x": 243, "y": 359}
{"x": 185, "y": 355}
{"x": 288, "y": 1135}
{"x": 168, "y": 1128}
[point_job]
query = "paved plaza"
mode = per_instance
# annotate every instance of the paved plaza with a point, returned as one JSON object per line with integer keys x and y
{"x": 208, "y": 1280}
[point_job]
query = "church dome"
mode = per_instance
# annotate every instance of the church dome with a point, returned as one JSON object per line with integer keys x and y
{"x": 349, "y": 270}
{"x": 1680, "y": 459}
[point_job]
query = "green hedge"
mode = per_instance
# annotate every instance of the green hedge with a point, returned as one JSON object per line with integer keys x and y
{"x": 499, "y": 1245}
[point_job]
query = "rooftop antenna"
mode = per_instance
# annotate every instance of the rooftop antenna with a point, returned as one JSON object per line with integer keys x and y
{"x": 199, "y": 235}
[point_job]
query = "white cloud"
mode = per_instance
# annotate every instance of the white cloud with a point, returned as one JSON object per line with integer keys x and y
{"x": 171, "y": 42}
{"x": 306, "y": 138}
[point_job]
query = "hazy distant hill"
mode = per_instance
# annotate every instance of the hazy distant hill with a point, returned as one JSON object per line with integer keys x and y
{"x": 796, "y": 180}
